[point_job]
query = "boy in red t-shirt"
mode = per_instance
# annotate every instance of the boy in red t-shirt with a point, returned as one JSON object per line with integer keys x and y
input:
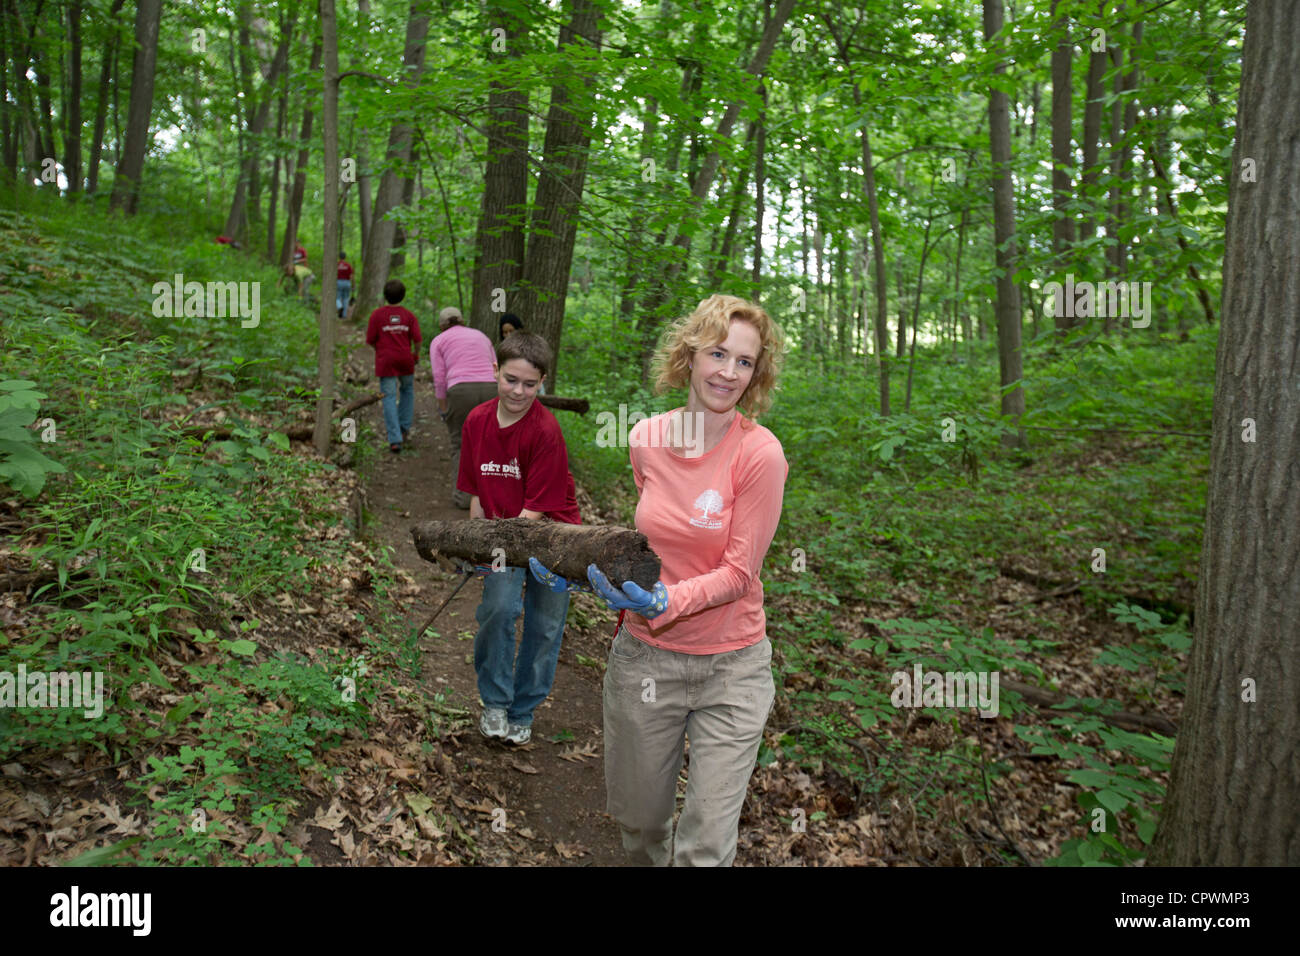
{"x": 514, "y": 463}
{"x": 394, "y": 333}
{"x": 343, "y": 293}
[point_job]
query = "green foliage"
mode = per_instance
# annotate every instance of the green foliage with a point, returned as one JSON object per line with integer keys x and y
{"x": 22, "y": 467}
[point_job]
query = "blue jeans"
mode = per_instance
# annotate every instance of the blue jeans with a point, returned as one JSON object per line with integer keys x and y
{"x": 519, "y": 684}
{"x": 398, "y": 413}
{"x": 342, "y": 294}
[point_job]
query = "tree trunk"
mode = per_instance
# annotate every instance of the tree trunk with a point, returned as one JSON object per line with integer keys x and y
{"x": 293, "y": 215}
{"x": 377, "y": 254}
{"x": 1234, "y": 789}
{"x": 281, "y": 111}
{"x": 1092, "y": 132}
{"x": 1004, "y": 226}
{"x": 101, "y": 101}
{"x": 1062, "y": 149}
{"x": 237, "y": 219}
{"x": 364, "y": 209}
{"x": 72, "y": 131}
{"x": 760, "y": 183}
{"x": 126, "y": 182}
{"x": 878, "y": 256}
{"x": 567, "y": 549}
{"x": 499, "y": 263}
{"x": 554, "y": 225}
{"x": 330, "y": 215}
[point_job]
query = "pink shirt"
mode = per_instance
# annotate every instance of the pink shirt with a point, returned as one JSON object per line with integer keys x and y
{"x": 710, "y": 519}
{"x": 460, "y": 354}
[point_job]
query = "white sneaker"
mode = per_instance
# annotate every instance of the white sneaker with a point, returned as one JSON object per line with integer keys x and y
{"x": 518, "y": 734}
{"x": 493, "y": 723}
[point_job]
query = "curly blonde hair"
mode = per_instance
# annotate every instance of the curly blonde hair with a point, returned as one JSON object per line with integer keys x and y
{"x": 709, "y": 325}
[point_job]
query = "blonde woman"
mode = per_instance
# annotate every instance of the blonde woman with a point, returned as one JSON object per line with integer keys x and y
{"x": 691, "y": 658}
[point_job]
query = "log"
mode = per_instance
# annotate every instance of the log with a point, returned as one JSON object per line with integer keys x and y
{"x": 579, "y": 405}
{"x": 1139, "y": 723}
{"x": 621, "y": 553}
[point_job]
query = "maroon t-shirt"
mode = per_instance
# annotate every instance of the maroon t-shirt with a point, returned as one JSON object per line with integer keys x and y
{"x": 345, "y": 269}
{"x": 392, "y": 330}
{"x": 525, "y": 465}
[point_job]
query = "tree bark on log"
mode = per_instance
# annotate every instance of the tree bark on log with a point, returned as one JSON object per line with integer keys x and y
{"x": 621, "y": 553}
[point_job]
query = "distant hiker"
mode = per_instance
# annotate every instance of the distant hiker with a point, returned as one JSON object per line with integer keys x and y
{"x": 301, "y": 271}
{"x": 343, "y": 295}
{"x": 709, "y": 509}
{"x": 462, "y": 362}
{"x": 227, "y": 241}
{"x": 514, "y": 463}
{"x": 394, "y": 333}
{"x": 508, "y": 323}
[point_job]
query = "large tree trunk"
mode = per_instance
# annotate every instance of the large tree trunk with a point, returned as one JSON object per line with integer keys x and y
{"x": 1062, "y": 149}
{"x": 102, "y": 98}
{"x": 330, "y": 214}
{"x": 554, "y": 225}
{"x": 377, "y": 254}
{"x": 126, "y": 182}
{"x": 567, "y": 549}
{"x": 1004, "y": 232}
{"x": 499, "y": 259}
{"x": 1234, "y": 789}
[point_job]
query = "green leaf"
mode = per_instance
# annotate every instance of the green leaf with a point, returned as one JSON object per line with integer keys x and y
{"x": 103, "y": 854}
{"x": 243, "y": 647}
{"x": 1111, "y": 800}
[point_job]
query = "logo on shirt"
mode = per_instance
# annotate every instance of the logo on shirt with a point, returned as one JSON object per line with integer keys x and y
{"x": 509, "y": 470}
{"x": 710, "y": 502}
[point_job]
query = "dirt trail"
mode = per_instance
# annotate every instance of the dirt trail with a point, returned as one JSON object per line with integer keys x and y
{"x": 561, "y": 801}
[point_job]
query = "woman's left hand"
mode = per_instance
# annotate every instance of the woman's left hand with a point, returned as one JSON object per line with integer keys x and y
{"x": 633, "y": 597}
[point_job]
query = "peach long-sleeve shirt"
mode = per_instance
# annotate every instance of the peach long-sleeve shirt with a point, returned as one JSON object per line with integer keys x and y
{"x": 711, "y": 519}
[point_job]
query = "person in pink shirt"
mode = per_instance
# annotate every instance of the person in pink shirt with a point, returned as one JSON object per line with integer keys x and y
{"x": 463, "y": 362}
{"x": 691, "y": 658}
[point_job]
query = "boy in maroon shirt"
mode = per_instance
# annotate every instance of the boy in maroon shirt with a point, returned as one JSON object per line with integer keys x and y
{"x": 514, "y": 463}
{"x": 394, "y": 333}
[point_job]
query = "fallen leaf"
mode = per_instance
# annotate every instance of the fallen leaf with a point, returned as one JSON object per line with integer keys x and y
{"x": 523, "y": 767}
{"x": 568, "y": 851}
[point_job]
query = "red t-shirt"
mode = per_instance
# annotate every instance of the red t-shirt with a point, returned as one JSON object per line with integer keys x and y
{"x": 392, "y": 330}
{"x": 345, "y": 269}
{"x": 525, "y": 465}
{"x": 299, "y": 254}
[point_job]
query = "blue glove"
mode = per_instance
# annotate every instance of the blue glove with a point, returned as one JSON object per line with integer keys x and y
{"x": 633, "y": 597}
{"x": 553, "y": 580}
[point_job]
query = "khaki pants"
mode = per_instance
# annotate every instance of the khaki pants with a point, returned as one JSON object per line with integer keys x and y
{"x": 654, "y": 699}
{"x": 461, "y": 400}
